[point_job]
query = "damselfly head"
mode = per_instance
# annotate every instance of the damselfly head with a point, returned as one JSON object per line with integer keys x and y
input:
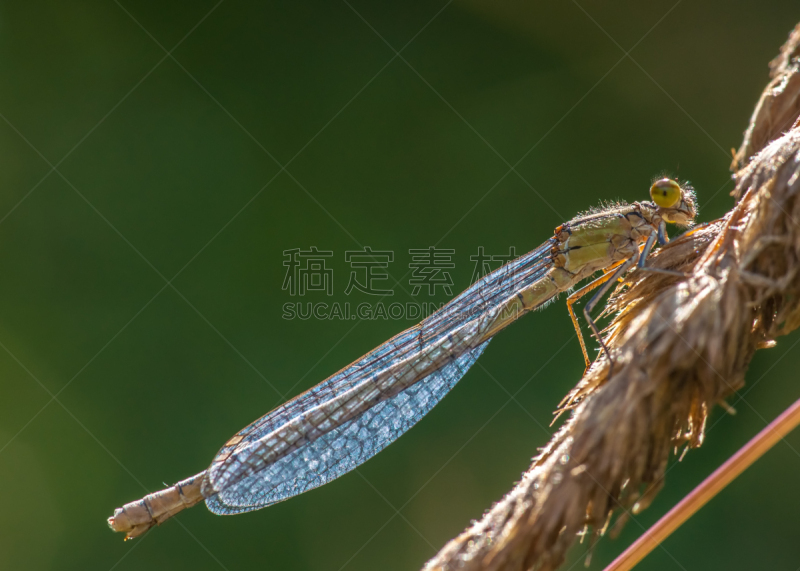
{"x": 676, "y": 203}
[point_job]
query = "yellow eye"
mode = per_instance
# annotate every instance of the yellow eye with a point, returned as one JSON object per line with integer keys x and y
{"x": 666, "y": 193}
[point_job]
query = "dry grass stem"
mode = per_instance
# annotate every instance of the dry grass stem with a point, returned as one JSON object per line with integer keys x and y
{"x": 710, "y": 487}
{"x": 680, "y": 345}
{"x": 779, "y": 105}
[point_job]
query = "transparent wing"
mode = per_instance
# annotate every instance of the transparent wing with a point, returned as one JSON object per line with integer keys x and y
{"x": 344, "y": 447}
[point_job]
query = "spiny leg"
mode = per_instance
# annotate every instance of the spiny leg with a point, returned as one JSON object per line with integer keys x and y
{"x": 607, "y": 280}
{"x": 587, "y": 309}
{"x": 639, "y": 258}
{"x": 648, "y": 245}
{"x": 608, "y": 273}
{"x": 574, "y": 297}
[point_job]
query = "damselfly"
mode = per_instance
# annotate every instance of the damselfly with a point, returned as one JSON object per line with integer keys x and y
{"x": 351, "y": 416}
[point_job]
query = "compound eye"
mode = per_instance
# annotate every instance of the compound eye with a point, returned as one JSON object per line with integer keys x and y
{"x": 666, "y": 193}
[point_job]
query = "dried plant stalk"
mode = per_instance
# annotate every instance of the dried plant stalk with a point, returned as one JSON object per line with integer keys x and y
{"x": 779, "y": 104}
{"x": 711, "y": 486}
{"x": 680, "y": 346}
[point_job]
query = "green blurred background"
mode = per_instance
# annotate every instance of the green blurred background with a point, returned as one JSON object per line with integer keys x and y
{"x": 162, "y": 166}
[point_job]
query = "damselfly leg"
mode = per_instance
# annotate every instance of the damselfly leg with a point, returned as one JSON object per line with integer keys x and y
{"x": 605, "y": 282}
{"x": 574, "y": 297}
